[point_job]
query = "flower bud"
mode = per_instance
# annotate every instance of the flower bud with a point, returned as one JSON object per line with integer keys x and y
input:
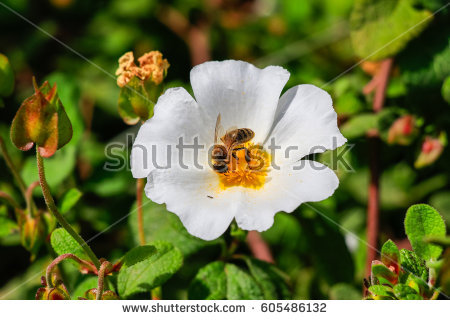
{"x": 91, "y": 294}
{"x": 140, "y": 85}
{"x": 41, "y": 119}
{"x": 403, "y": 131}
{"x": 32, "y": 233}
{"x": 431, "y": 150}
{"x": 59, "y": 292}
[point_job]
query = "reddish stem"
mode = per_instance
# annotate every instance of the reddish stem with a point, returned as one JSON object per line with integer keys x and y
{"x": 259, "y": 247}
{"x": 101, "y": 279}
{"x": 379, "y": 85}
{"x": 373, "y": 204}
{"x": 51, "y": 266}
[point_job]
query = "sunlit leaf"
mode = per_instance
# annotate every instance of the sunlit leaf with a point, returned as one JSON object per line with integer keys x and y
{"x": 147, "y": 267}
{"x": 70, "y": 199}
{"x": 423, "y": 220}
{"x": 375, "y": 24}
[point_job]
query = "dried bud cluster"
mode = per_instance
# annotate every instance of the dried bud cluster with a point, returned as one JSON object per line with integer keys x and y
{"x": 152, "y": 66}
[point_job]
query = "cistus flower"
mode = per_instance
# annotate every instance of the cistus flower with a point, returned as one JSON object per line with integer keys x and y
{"x": 260, "y": 176}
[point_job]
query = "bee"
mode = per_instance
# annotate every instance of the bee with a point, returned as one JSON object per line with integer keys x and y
{"x": 233, "y": 141}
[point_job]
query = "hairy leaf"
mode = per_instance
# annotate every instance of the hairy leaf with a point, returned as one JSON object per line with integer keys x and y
{"x": 240, "y": 285}
{"x": 70, "y": 199}
{"x": 210, "y": 283}
{"x": 412, "y": 264}
{"x": 147, "y": 267}
{"x": 390, "y": 255}
{"x": 62, "y": 242}
{"x": 160, "y": 224}
{"x": 381, "y": 28}
{"x": 345, "y": 291}
{"x": 423, "y": 220}
{"x": 271, "y": 281}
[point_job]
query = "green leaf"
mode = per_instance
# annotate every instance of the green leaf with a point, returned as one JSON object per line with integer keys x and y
{"x": 271, "y": 281}
{"x": 380, "y": 290}
{"x": 382, "y": 28}
{"x": 412, "y": 263}
{"x": 57, "y": 168}
{"x": 383, "y": 274}
{"x": 160, "y": 224}
{"x": 240, "y": 285}
{"x": 421, "y": 69}
{"x": 358, "y": 125}
{"x": 423, "y": 220}
{"x": 442, "y": 241}
{"x": 390, "y": 255}
{"x": 404, "y": 292}
{"x": 69, "y": 199}
{"x": 344, "y": 291}
{"x": 210, "y": 283}
{"x": 323, "y": 236}
{"x": 348, "y": 104}
{"x": 132, "y": 8}
{"x": 147, "y": 267}
{"x": 62, "y": 242}
{"x": 6, "y": 77}
{"x": 7, "y": 226}
{"x": 446, "y": 89}
{"x": 82, "y": 287}
{"x": 441, "y": 201}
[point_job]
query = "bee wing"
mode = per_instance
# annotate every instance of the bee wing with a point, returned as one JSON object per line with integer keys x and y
{"x": 218, "y": 130}
{"x": 231, "y": 129}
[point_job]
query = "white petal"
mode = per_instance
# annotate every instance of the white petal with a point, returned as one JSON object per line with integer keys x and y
{"x": 204, "y": 209}
{"x": 245, "y": 96}
{"x": 286, "y": 189}
{"x": 176, "y": 115}
{"x": 305, "y": 120}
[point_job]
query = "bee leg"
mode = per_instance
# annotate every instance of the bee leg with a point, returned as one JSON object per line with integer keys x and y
{"x": 247, "y": 155}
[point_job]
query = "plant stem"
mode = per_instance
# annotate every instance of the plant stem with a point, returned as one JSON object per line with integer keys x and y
{"x": 101, "y": 279}
{"x": 51, "y": 266}
{"x": 140, "y": 183}
{"x": 29, "y": 197}
{"x": 54, "y": 210}
{"x": 259, "y": 247}
{"x": 379, "y": 85}
{"x": 373, "y": 204}
{"x": 12, "y": 168}
{"x": 9, "y": 199}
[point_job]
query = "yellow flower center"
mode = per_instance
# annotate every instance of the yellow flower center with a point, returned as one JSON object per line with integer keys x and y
{"x": 248, "y": 173}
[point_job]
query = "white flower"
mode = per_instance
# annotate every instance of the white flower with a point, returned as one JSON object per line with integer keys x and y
{"x": 245, "y": 97}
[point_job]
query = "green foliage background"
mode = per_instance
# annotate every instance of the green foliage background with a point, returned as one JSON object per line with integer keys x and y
{"x": 316, "y": 41}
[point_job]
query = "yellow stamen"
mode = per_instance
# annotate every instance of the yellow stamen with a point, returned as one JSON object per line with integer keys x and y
{"x": 250, "y": 174}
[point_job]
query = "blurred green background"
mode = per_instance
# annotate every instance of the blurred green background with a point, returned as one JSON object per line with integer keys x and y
{"x": 76, "y": 43}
